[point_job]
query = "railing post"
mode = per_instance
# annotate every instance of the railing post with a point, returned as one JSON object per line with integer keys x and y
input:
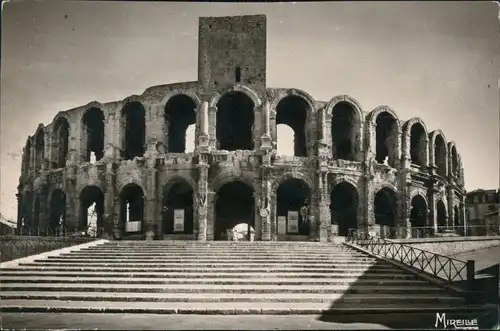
{"x": 470, "y": 275}
{"x": 496, "y": 285}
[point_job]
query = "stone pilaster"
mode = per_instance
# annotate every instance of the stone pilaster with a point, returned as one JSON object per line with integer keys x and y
{"x": 203, "y": 204}
{"x": 324, "y": 215}
{"x": 449, "y": 201}
{"x": 211, "y": 199}
{"x": 109, "y": 200}
{"x": 111, "y": 145}
{"x": 265, "y": 205}
{"x": 431, "y": 215}
{"x": 151, "y": 204}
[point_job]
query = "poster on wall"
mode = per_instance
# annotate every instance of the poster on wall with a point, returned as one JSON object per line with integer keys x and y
{"x": 178, "y": 220}
{"x": 293, "y": 221}
{"x": 281, "y": 224}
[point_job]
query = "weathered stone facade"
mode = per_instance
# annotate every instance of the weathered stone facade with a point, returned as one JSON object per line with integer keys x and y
{"x": 350, "y": 169}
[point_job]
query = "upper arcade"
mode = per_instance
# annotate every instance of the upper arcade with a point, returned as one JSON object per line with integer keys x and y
{"x": 230, "y": 108}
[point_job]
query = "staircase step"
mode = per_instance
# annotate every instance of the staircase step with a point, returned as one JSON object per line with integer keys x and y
{"x": 223, "y": 308}
{"x": 286, "y": 264}
{"x": 210, "y": 288}
{"x": 217, "y": 275}
{"x": 231, "y": 297}
{"x": 202, "y": 259}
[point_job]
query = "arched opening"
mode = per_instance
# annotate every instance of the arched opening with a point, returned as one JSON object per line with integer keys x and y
{"x": 418, "y": 216}
{"x": 292, "y": 199}
{"x": 343, "y": 207}
{"x": 284, "y": 144}
{"x": 440, "y": 155}
{"x": 292, "y": 111}
{"x": 454, "y": 161}
{"x": 177, "y": 211}
{"x": 132, "y": 208}
{"x": 456, "y": 217}
{"x": 385, "y": 209}
{"x": 343, "y": 131}
{"x": 418, "y": 139}
{"x": 441, "y": 214}
{"x": 235, "y": 121}
{"x": 36, "y": 216}
{"x": 91, "y": 211}
{"x": 93, "y": 134}
{"x": 234, "y": 204}
{"x": 57, "y": 218}
{"x": 134, "y": 130}
{"x": 61, "y": 143}
{"x": 386, "y": 137}
{"x": 39, "y": 149}
{"x": 179, "y": 115}
{"x": 27, "y": 157}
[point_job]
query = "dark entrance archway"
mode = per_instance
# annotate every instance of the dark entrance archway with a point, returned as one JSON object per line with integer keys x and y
{"x": 293, "y": 195}
{"x": 177, "y": 201}
{"x": 343, "y": 207}
{"x": 418, "y": 217}
{"x": 91, "y": 211}
{"x": 57, "y": 217}
{"x": 234, "y": 204}
{"x": 441, "y": 215}
{"x": 385, "y": 211}
{"x": 235, "y": 120}
{"x": 132, "y": 209}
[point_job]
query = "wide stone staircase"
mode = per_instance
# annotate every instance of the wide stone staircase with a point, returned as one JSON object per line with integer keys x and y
{"x": 186, "y": 277}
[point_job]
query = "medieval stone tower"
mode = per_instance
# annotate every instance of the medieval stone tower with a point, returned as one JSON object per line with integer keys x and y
{"x": 128, "y": 159}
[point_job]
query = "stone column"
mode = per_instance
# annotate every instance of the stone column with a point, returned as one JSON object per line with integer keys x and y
{"x": 266, "y": 140}
{"x": 203, "y": 138}
{"x": 203, "y": 203}
{"x": 212, "y": 124}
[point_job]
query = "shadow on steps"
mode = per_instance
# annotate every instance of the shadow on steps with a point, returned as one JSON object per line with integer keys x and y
{"x": 410, "y": 307}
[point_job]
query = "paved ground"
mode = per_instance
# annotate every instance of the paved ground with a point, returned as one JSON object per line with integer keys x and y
{"x": 484, "y": 258}
{"x": 42, "y": 321}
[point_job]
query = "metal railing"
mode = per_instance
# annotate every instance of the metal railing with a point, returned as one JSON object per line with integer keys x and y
{"x": 388, "y": 232}
{"x": 459, "y": 274}
{"x": 15, "y": 246}
{"x": 437, "y": 265}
